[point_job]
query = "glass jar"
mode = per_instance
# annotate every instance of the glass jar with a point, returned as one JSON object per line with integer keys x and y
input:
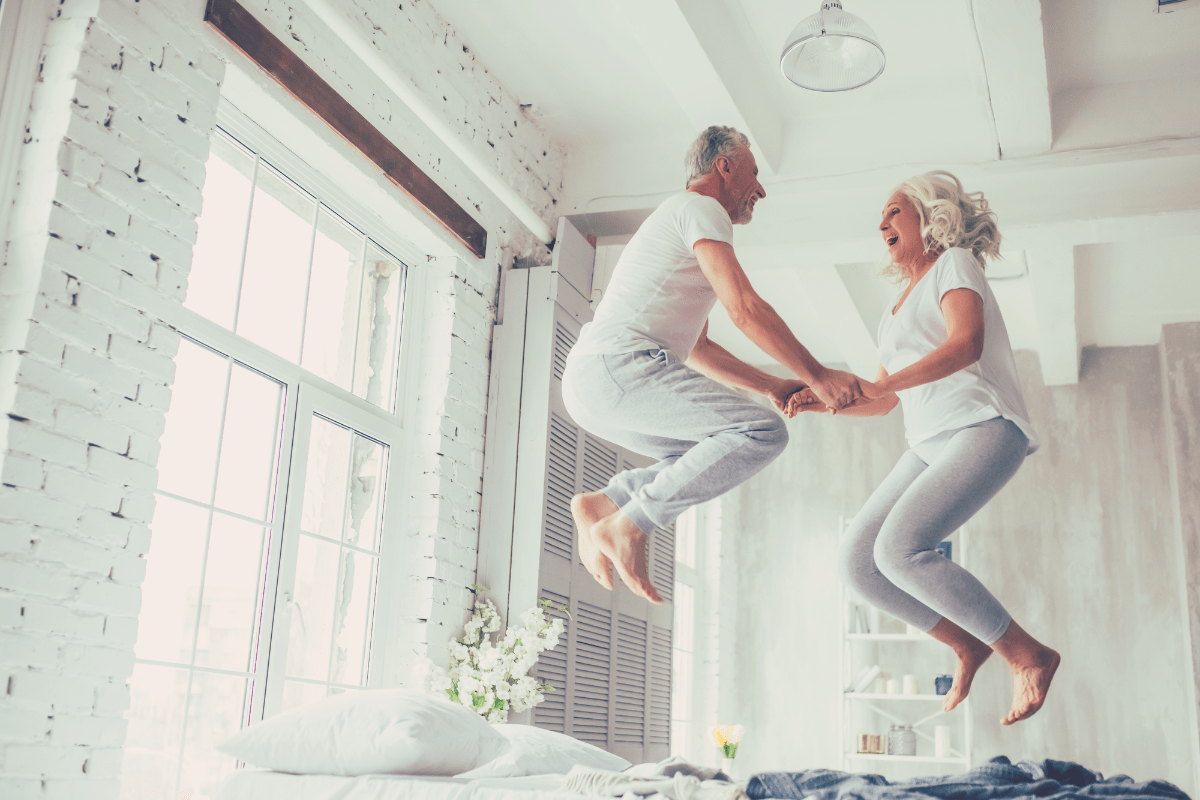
{"x": 902, "y": 741}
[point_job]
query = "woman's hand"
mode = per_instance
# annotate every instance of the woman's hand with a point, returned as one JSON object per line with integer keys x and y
{"x": 872, "y": 391}
{"x": 782, "y": 390}
{"x": 805, "y": 400}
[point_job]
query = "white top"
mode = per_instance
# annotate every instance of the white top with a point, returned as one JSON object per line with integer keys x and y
{"x": 658, "y": 298}
{"x": 987, "y": 389}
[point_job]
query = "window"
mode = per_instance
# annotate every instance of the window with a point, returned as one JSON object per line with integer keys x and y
{"x": 683, "y": 650}
{"x": 277, "y": 471}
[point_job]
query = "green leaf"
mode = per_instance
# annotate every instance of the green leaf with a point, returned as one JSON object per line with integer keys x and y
{"x": 477, "y": 588}
{"x": 498, "y": 704}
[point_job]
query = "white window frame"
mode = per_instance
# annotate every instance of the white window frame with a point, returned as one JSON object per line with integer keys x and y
{"x": 687, "y": 575}
{"x": 303, "y": 389}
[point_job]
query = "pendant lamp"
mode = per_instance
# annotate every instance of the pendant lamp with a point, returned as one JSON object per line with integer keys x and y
{"x": 832, "y": 51}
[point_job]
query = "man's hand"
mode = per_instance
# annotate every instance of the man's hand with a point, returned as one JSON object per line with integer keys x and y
{"x": 782, "y": 390}
{"x": 837, "y": 389}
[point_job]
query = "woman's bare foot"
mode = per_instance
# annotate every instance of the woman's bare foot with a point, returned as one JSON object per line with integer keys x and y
{"x": 970, "y": 659}
{"x": 622, "y": 542}
{"x": 587, "y": 509}
{"x": 1031, "y": 682}
{"x": 971, "y": 654}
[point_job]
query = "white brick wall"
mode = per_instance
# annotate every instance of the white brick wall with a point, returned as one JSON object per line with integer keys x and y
{"x": 97, "y": 259}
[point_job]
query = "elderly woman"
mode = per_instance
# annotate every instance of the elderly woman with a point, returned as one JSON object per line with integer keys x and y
{"x": 945, "y": 357}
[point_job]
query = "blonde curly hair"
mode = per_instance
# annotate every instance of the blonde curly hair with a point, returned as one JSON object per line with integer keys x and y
{"x": 950, "y": 216}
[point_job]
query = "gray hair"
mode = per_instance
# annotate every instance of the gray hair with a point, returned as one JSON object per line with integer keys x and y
{"x": 716, "y": 140}
{"x": 951, "y": 216}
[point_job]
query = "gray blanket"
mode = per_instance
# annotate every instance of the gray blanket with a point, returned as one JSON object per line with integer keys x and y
{"x": 996, "y": 780}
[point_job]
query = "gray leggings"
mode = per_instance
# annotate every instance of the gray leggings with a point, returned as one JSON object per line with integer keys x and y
{"x": 887, "y": 555}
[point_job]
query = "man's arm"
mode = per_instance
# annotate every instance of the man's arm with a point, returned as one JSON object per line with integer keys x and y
{"x": 709, "y": 358}
{"x": 763, "y": 326}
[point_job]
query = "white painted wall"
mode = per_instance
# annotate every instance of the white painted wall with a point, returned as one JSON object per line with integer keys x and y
{"x": 97, "y": 259}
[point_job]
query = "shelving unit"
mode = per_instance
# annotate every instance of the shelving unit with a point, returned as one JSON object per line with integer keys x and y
{"x": 905, "y": 709}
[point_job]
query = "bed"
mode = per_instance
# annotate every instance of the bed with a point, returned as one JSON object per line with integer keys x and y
{"x": 261, "y": 784}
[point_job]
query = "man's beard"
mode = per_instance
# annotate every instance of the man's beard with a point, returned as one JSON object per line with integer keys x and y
{"x": 745, "y": 213}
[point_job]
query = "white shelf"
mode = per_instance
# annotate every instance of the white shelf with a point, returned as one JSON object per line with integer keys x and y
{"x": 889, "y": 637}
{"x": 922, "y": 759}
{"x": 878, "y": 696}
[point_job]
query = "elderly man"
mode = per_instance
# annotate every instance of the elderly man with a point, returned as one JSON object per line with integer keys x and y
{"x": 645, "y": 375}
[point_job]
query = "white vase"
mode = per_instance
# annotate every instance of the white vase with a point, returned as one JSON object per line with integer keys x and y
{"x": 727, "y": 767}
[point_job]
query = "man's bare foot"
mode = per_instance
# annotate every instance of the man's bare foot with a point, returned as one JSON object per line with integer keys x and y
{"x": 1031, "y": 682}
{"x": 587, "y": 509}
{"x": 970, "y": 658}
{"x": 624, "y": 544}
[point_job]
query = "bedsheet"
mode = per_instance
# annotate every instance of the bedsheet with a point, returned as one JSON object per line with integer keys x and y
{"x": 262, "y": 784}
{"x": 998, "y": 779}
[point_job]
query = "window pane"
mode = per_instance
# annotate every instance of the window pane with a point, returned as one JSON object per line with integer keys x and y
{"x": 187, "y": 463}
{"x": 315, "y": 592}
{"x": 231, "y": 592}
{"x": 157, "y": 696}
{"x": 296, "y": 693}
{"x": 352, "y": 617}
{"x": 249, "y": 444}
{"x": 171, "y": 590}
{"x": 214, "y": 714}
{"x": 331, "y": 326}
{"x": 217, "y": 257}
{"x": 685, "y": 617}
{"x": 379, "y": 328}
{"x": 275, "y": 277}
{"x": 326, "y": 479}
{"x": 368, "y": 462}
{"x": 685, "y": 538}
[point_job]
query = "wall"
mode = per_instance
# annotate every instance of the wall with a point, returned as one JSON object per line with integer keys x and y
{"x": 1081, "y": 547}
{"x": 96, "y": 264}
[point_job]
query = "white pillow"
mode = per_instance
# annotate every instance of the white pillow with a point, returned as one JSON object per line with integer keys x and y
{"x": 536, "y": 751}
{"x": 381, "y": 730}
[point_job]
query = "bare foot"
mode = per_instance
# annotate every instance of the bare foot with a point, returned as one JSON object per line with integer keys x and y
{"x": 588, "y": 509}
{"x": 624, "y": 544}
{"x": 1031, "y": 682}
{"x": 970, "y": 658}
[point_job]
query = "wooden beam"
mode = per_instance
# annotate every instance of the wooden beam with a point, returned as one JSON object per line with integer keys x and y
{"x": 1052, "y": 273}
{"x": 262, "y": 47}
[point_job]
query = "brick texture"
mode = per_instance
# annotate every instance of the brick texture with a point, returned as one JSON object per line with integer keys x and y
{"x": 111, "y": 172}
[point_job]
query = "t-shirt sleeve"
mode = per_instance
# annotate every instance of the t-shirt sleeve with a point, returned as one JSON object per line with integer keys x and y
{"x": 959, "y": 269}
{"x": 705, "y": 218}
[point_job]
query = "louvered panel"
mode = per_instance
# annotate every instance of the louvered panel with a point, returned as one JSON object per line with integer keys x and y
{"x": 551, "y": 713}
{"x": 660, "y": 685}
{"x": 630, "y": 724}
{"x": 599, "y": 463}
{"x": 662, "y": 561}
{"x": 559, "y": 529}
{"x": 564, "y": 340}
{"x": 593, "y": 665}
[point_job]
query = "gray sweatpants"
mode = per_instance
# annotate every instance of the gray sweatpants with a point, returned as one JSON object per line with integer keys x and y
{"x": 887, "y": 555}
{"x": 707, "y": 437}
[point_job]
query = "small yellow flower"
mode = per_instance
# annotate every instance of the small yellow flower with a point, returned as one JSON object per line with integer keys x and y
{"x": 728, "y": 737}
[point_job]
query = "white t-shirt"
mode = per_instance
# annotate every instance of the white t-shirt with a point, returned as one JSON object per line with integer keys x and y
{"x": 658, "y": 298}
{"x": 987, "y": 389}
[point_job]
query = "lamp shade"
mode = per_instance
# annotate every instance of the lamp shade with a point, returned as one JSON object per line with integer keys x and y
{"x": 832, "y": 51}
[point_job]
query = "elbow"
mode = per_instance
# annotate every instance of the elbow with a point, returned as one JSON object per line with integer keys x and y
{"x": 748, "y": 311}
{"x": 971, "y": 350}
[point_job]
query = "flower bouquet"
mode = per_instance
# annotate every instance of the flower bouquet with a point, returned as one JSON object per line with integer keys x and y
{"x": 728, "y": 737}
{"x": 491, "y": 677}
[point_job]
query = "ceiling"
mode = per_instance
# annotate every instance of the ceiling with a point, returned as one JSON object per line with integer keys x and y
{"x": 1080, "y": 119}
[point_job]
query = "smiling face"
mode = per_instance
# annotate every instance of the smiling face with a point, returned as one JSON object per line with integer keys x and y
{"x": 901, "y": 229}
{"x": 743, "y": 186}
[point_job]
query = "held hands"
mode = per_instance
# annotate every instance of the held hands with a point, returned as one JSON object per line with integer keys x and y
{"x": 782, "y": 390}
{"x": 804, "y": 400}
{"x": 837, "y": 389}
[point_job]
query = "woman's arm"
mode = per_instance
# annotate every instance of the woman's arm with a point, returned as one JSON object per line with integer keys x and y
{"x": 963, "y": 310}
